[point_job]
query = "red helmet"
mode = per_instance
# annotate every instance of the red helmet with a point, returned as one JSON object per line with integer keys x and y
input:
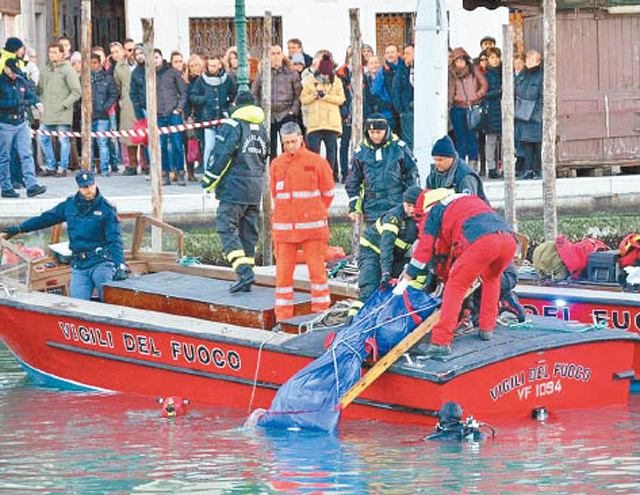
{"x": 629, "y": 250}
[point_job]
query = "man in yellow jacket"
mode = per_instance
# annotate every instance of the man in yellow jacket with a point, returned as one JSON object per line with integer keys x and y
{"x": 323, "y": 95}
{"x": 13, "y": 48}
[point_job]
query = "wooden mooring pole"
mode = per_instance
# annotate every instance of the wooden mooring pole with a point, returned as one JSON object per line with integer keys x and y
{"x": 267, "y": 246}
{"x": 155, "y": 157}
{"x": 85, "y": 78}
{"x": 549, "y": 121}
{"x": 356, "y": 107}
{"x": 508, "y": 143}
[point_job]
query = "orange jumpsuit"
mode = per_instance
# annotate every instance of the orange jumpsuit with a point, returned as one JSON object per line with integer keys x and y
{"x": 301, "y": 188}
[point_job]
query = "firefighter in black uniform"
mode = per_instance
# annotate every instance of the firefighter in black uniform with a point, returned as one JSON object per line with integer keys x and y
{"x": 383, "y": 168}
{"x": 95, "y": 237}
{"x": 384, "y": 248}
{"x": 236, "y": 172}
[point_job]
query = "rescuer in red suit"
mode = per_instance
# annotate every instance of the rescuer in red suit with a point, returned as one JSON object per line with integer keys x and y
{"x": 301, "y": 184}
{"x": 482, "y": 244}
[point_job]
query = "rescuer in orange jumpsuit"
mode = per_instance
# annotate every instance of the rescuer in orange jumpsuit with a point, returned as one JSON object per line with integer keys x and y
{"x": 301, "y": 184}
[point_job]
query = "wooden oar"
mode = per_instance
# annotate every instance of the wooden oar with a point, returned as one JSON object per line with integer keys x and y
{"x": 394, "y": 354}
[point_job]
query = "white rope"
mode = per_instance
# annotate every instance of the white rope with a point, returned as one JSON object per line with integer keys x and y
{"x": 255, "y": 376}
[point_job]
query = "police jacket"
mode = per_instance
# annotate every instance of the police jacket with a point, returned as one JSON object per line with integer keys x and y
{"x": 213, "y": 94}
{"x": 460, "y": 177}
{"x": 104, "y": 94}
{"x": 236, "y": 170}
{"x": 93, "y": 226}
{"x": 301, "y": 187}
{"x": 391, "y": 236}
{"x": 15, "y": 96}
{"x": 455, "y": 222}
{"x": 379, "y": 176}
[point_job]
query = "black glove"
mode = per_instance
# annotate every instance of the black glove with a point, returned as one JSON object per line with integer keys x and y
{"x": 385, "y": 280}
{"x": 122, "y": 273}
{"x": 10, "y": 231}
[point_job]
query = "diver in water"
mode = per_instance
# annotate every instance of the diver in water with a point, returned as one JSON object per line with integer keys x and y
{"x": 450, "y": 426}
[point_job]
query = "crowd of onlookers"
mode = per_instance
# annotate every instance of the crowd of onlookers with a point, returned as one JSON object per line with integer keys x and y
{"x": 314, "y": 91}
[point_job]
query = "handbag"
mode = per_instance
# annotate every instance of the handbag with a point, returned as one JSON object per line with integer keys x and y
{"x": 193, "y": 151}
{"x": 524, "y": 109}
{"x": 475, "y": 116}
{"x": 140, "y": 125}
{"x": 475, "y": 112}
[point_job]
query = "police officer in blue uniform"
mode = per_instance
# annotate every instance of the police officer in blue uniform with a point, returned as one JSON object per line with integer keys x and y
{"x": 95, "y": 236}
{"x": 236, "y": 171}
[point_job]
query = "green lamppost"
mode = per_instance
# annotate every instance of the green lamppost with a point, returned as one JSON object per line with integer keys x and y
{"x": 241, "y": 39}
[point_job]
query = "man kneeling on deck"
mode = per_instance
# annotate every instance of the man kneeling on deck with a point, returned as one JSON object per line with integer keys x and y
{"x": 483, "y": 245}
{"x": 384, "y": 247}
{"x": 95, "y": 237}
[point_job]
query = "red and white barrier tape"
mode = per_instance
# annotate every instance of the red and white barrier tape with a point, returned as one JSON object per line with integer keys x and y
{"x": 131, "y": 133}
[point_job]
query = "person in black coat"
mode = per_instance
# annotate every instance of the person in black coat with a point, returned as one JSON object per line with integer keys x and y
{"x": 528, "y": 114}
{"x": 104, "y": 95}
{"x": 493, "y": 102}
{"x": 213, "y": 92}
{"x": 402, "y": 96}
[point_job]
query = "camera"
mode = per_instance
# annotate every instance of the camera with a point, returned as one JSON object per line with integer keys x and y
{"x": 321, "y": 94}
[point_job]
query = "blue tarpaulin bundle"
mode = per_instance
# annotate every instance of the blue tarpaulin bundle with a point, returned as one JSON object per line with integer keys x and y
{"x": 309, "y": 398}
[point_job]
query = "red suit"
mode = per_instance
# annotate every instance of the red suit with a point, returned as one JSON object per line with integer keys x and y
{"x": 302, "y": 189}
{"x": 482, "y": 245}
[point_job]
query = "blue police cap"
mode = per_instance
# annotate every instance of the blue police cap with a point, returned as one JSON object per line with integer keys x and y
{"x": 85, "y": 178}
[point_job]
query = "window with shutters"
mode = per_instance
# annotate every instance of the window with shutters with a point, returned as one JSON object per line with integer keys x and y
{"x": 214, "y": 35}
{"x": 394, "y": 28}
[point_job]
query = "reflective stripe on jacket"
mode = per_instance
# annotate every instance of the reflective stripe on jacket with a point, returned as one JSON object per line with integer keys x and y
{"x": 301, "y": 188}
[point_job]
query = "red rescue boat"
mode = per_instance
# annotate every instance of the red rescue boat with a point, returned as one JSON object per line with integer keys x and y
{"x": 175, "y": 330}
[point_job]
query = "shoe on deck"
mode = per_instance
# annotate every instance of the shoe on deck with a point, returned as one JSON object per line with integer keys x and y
{"x": 36, "y": 191}
{"x": 243, "y": 284}
{"x": 433, "y": 350}
{"x": 484, "y": 335}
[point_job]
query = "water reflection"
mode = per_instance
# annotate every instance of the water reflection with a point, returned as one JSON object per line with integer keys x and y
{"x": 79, "y": 442}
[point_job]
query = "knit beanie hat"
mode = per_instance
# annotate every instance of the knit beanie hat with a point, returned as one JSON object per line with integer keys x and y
{"x": 444, "y": 147}
{"x": 325, "y": 66}
{"x": 13, "y": 44}
{"x": 411, "y": 195}
{"x": 244, "y": 98}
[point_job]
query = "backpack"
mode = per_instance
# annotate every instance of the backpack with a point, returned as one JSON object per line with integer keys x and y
{"x": 575, "y": 256}
{"x": 547, "y": 262}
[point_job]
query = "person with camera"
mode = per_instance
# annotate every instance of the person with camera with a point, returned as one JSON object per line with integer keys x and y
{"x": 322, "y": 95}
{"x": 95, "y": 236}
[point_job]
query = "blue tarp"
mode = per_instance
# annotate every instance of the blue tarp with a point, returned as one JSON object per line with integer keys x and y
{"x": 309, "y": 398}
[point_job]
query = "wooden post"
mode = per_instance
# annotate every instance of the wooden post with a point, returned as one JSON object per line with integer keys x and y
{"x": 155, "y": 157}
{"x": 356, "y": 107}
{"x": 549, "y": 121}
{"x": 85, "y": 78}
{"x": 508, "y": 145}
{"x": 267, "y": 36}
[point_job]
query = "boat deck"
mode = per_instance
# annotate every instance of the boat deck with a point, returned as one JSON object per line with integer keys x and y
{"x": 469, "y": 352}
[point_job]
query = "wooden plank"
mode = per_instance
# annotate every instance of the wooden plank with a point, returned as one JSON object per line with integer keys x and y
{"x": 339, "y": 290}
{"x": 388, "y": 359}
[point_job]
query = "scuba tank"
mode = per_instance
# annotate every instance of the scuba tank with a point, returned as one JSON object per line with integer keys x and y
{"x": 451, "y": 426}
